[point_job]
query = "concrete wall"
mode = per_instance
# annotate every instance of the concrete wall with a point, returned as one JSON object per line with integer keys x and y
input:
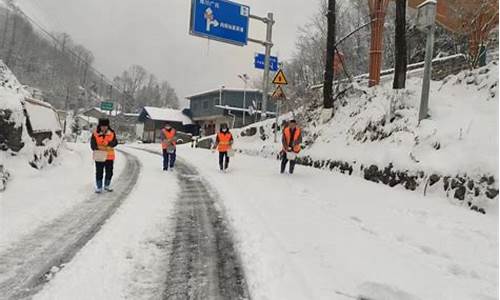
{"x": 204, "y": 105}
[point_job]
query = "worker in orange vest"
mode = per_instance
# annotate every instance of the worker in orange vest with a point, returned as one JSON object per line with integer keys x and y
{"x": 223, "y": 144}
{"x": 291, "y": 140}
{"x": 103, "y": 142}
{"x": 169, "y": 146}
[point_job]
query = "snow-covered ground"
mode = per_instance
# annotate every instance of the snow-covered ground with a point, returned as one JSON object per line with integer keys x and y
{"x": 311, "y": 235}
{"x": 317, "y": 235}
{"x": 459, "y": 140}
{"x": 36, "y": 197}
{"x": 463, "y": 121}
{"x": 127, "y": 259}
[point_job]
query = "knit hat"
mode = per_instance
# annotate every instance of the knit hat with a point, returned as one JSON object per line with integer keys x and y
{"x": 103, "y": 122}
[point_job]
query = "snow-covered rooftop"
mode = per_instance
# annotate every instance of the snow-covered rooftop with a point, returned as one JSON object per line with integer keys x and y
{"x": 131, "y": 114}
{"x": 166, "y": 114}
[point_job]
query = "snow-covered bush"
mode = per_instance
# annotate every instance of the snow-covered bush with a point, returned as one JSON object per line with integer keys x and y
{"x": 18, "y": 139}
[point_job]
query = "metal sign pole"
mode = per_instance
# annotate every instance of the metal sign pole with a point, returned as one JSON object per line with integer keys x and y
{"x": 277, "y": 114}
{"x": 244, "y": 103}
{"x": 424, "y": 101}
{"x": 269, "y": 45}
{"x": 232, "y": 22}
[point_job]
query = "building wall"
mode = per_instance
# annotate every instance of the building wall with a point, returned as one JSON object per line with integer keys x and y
{"x": 210, "y": 118}
{"x": 204, "y": 105}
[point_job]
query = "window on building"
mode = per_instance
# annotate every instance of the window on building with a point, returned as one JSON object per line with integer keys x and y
{"x": 205, "y": 104}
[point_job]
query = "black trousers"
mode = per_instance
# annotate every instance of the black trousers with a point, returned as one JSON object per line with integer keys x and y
{"x": 284, "y": 161}
{"x": 223, "y": 160}
{"x": 100, "y": 167}
{"x": 168, "y": 159}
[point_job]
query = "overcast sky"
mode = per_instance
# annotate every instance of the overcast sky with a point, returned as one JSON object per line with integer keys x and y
{"x": 154, "y": 34}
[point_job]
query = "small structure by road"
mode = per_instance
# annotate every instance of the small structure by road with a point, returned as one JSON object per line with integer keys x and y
{"x": 211, "y": 109}
{"x": 154, "y": 119}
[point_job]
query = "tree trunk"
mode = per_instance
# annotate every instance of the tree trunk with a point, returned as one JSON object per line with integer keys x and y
{"x": 400, "y": 46}
{"x": 330, "y": 52}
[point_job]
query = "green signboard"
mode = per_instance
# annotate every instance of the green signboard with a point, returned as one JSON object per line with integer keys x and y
{"x": 107, "y": 106}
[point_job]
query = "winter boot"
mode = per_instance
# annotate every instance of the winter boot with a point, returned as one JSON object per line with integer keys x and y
{"x": 107, "y": 186}
{"x": 98, "y": 187}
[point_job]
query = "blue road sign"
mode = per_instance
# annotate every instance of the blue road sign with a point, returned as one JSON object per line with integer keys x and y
{"x": 260, "y": 62}
{"x": 220, "y": 20}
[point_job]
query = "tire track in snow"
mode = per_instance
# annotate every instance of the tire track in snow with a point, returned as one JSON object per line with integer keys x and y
{"x": 23, "y": 266}
{"x": 203, "y": 261}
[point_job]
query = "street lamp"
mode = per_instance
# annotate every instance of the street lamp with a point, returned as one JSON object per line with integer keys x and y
{"x": 426, "y": 19}
{"x": 220, "y": 94}
{"x": 217, "y": 126}
{"x": 245, "y": 79}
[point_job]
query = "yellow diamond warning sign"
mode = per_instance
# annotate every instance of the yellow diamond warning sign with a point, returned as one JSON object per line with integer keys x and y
{"x": 280, "y": 78}
{"x": 279, "y": 94}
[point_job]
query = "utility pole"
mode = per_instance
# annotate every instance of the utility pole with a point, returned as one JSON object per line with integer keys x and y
{"x": 330, "y": 52}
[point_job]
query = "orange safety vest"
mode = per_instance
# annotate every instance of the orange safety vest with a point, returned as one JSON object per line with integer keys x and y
{"x": 169, "y": 138}
{"x": 287, "y": 133}
{"x": 103, "y": 140}
{"x": 224, "y": 141}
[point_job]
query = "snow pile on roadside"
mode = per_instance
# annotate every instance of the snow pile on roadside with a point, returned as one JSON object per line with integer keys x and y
{"x": 12, "y": 135}
{"x": 29, "y": 128}
{"x": 11, "y": 95}
{"x": 461, "y": 135}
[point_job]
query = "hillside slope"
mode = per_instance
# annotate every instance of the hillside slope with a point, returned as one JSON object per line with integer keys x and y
{"x": 375, "y": 134}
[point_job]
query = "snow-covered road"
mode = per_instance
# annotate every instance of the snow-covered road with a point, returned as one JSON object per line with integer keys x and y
{"x": 128, "y": 257}
{"x": 317, "y": 235}
{"x": 313, "y": 235}
{"x": 36, "y": 197}
{"x": 26, "y": 263}
{"x": 203, "y": 261}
